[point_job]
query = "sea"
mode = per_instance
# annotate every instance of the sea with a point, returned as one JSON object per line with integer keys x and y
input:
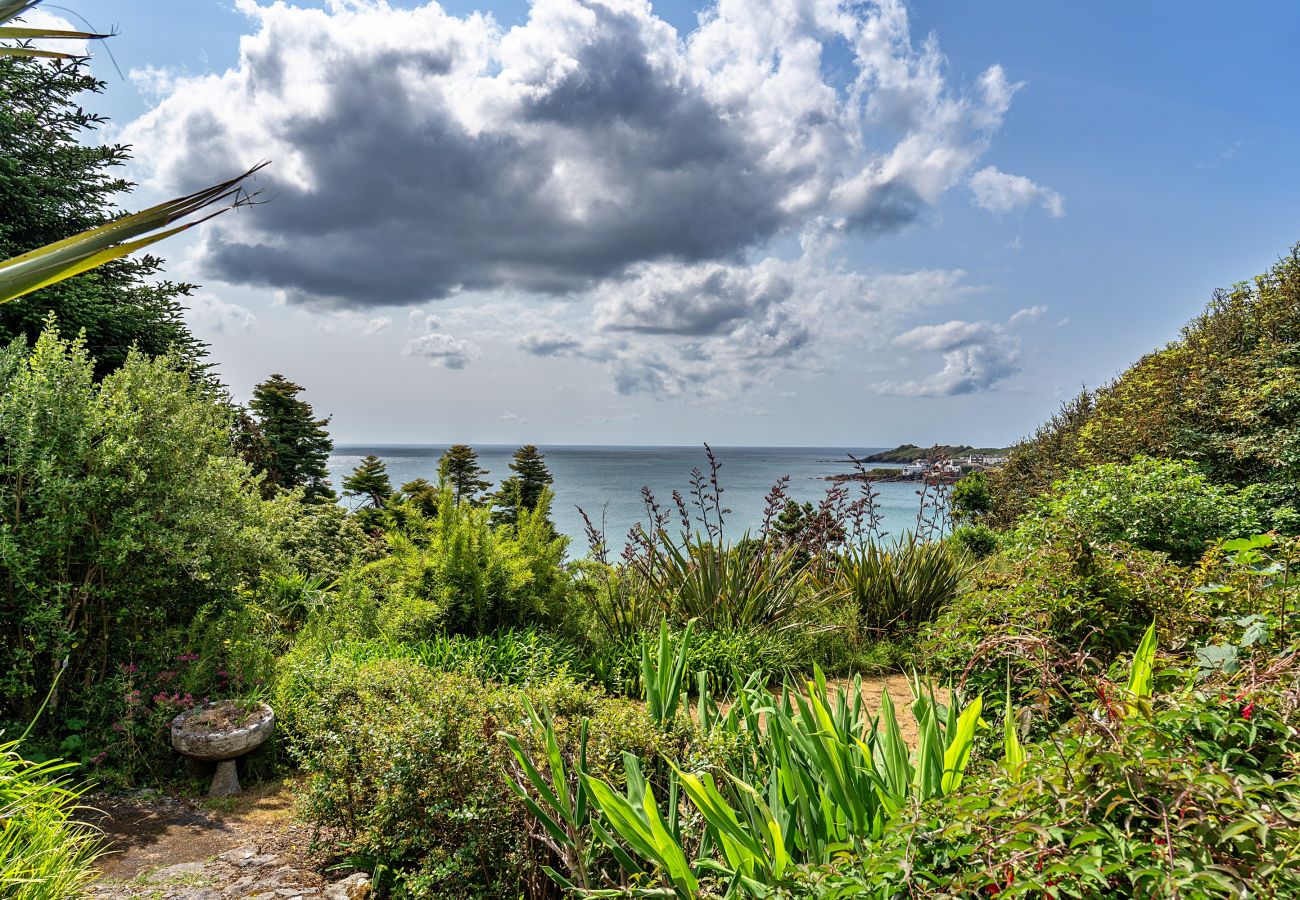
{"x": 606, "y": 481}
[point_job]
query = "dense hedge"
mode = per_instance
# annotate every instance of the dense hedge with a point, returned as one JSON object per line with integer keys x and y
{"x": 1226, "y": 396}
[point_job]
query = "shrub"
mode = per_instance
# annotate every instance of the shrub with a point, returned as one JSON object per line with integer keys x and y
{"x": 456, "y": 574}
{"x": 971, "y": 498}
{"x": 1065, "y": 595}
{"x": 899, "y": 588}
{"x": 979, "y": 540}
{"x": 125, "y": 511}
{"x": 1163, "y": 505}
{"x": 404, "y": 766}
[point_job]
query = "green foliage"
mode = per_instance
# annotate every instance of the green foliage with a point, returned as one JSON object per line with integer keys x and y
{"x": 1163, "y": 505}
{"x": 508, "y": 657}
{"x": 57, "y": 180}
{"x": 297, "y": 445}
{"x": 1223, "y": 396}
{"x": 727, "y": 588}
{"x": 404, "y": 768}
{"x": 319, "y": 540}
{"x": 124, "y": 512}
{"x": 369, "y": 481}
{"x": 817, "y": 778}
{"x": 971, "y": 498}
{"x": 1057, "y": 595}
{"x": 899, "y": 588}
{"x": 455, "y": 574}
{"x": 459, "y": 469}
{"x": 44, "y": 853}
{"x": 524, "y": 489}
{"x": 1196, "y": 796}
{"x": 979, "y": 540}
{"x": 663, "y": 673}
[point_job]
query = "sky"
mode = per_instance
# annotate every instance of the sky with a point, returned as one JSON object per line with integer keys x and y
{"x": 799, "y": 223}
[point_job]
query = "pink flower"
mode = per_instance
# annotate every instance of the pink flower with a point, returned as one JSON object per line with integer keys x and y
{"x": 119, "y": 727}
{"x": 128, "y": 668}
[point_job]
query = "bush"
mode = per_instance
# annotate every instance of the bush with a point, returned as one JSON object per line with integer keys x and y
{"x": 403, "y": 764}
{"x": 979, "y": 540}
{"x": 1163, "y": 505}
{"x": 899, "y": 588}
{"x": 971, "y": 498}
{"x": 124, "y": 512}
{"x": 1064, "y": 594}
{"x": 456, "y": 574}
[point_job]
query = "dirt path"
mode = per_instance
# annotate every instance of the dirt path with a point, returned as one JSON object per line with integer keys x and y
{"x": 166, "y": 848}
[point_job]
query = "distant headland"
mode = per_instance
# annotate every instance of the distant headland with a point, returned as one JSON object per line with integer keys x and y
{"x": 940, "y": 462}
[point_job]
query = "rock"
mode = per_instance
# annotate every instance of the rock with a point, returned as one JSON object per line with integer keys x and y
{"x": 355, "y": 887}
{"x": 239, "y": 853}
{"x": 180, "y": 870}
{"x": 256, "y": 861}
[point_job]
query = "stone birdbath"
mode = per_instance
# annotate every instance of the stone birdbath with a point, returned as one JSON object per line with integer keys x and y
{"x": 222, "y": 732}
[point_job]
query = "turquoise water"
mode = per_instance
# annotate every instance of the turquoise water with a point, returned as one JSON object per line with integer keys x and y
{"x": 607, "y": 481}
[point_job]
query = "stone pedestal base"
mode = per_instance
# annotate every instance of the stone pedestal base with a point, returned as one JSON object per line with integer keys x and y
{"x": 225, "y": 782}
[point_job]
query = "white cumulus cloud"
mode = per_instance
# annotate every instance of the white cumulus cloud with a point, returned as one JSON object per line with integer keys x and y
{"x": 1000, "y": 192}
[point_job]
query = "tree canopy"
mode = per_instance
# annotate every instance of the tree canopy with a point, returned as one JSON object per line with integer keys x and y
{"x": 524, "y": 489}
{"x": 459, "y": 469}
{"x": 296, "y": 443}
{"x": 57, "y": 181}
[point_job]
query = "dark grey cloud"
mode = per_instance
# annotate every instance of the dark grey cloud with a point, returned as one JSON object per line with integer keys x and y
{"x": 694, "y": 301}
{"x": 418, "y": 155}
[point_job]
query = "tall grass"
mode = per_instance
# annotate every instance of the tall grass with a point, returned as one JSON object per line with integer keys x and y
{"x": 44, "y": 854}
{"x": 512, "y": 657}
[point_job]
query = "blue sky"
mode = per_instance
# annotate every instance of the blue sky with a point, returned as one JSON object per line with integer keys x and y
{"x": 1143, "y": 154}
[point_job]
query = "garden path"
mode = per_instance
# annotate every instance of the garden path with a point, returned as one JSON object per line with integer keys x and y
{"x": 169, "y": 848}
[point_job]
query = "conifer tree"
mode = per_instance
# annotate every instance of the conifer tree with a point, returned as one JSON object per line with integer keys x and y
{"x": 369, "y": 480}
{"x": 522, "y": 490}
{"x": 57, "y": 179}
{"x": 459, "y": 470}
{"x": 297, "y": 446}
{"x": 422, "y": 495}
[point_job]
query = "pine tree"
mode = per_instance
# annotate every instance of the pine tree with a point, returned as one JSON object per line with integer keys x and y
{"x": 369, "y": 480}
{"x": 297, "y": 445}
{"x": 523, "y": 490}
{"x": 56, "y": 180}
{"x": 459, "y": 470}
{"x": 422, "y": 495}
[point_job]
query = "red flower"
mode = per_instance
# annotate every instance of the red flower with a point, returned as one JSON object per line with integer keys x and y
{"x": 1248, "y": 710}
